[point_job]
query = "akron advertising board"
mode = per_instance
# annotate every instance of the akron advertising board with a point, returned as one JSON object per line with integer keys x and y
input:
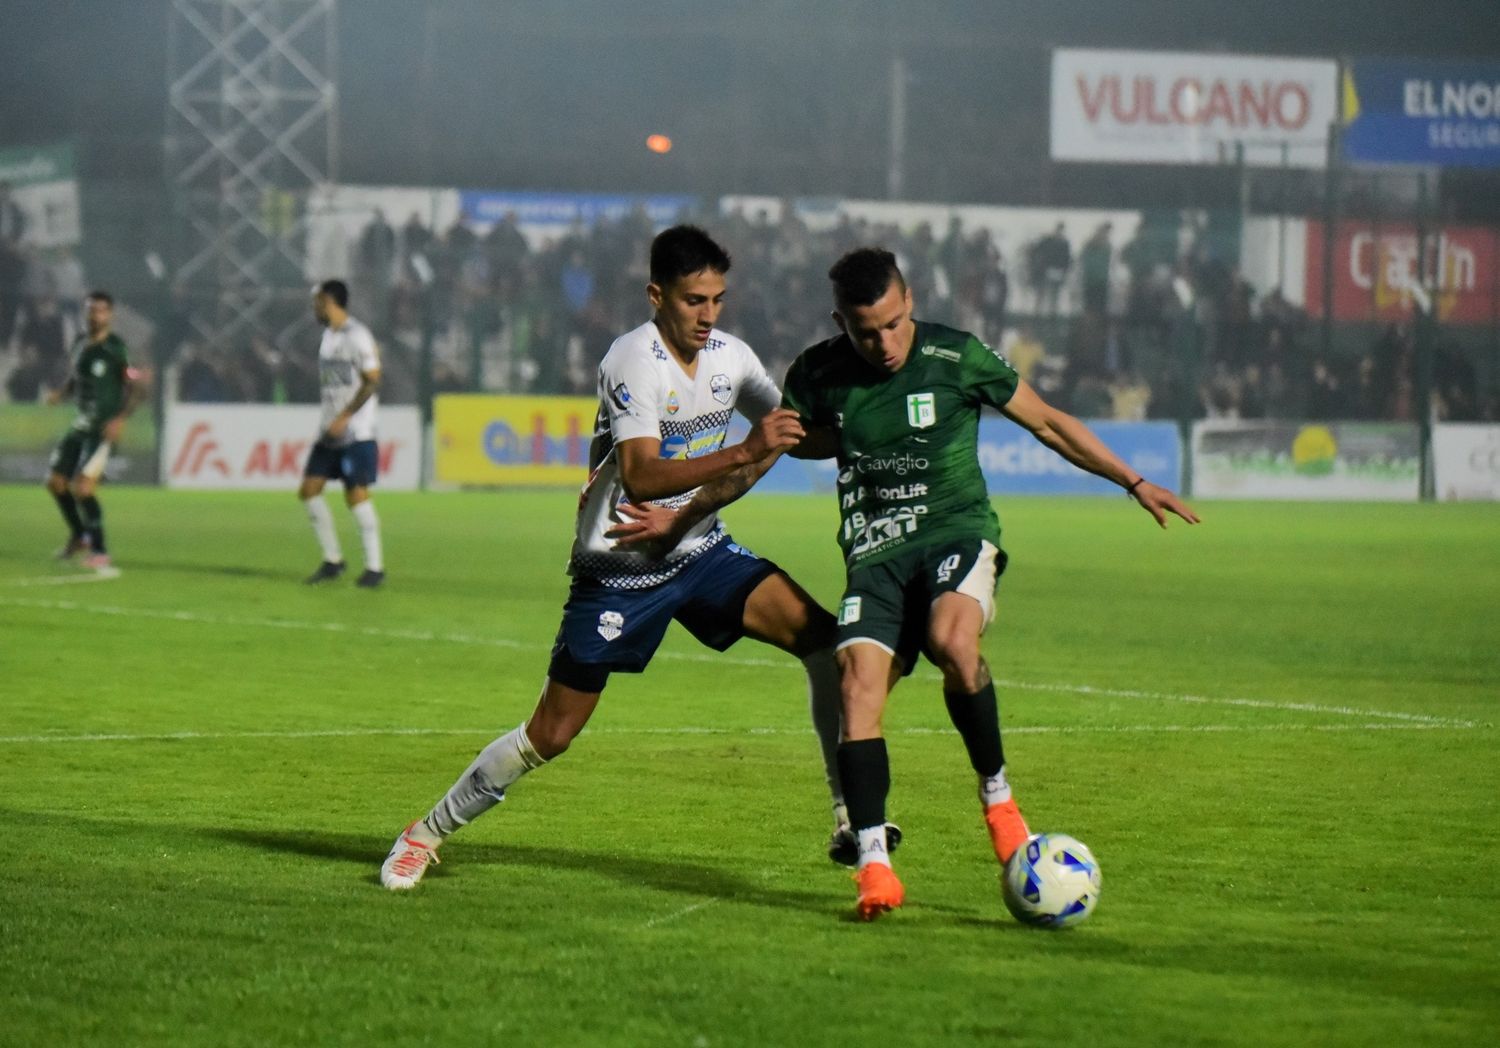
{"x": 265, "y": 446}
{"x": 1363, "y": 461}
{"x": 1167, "y": 107}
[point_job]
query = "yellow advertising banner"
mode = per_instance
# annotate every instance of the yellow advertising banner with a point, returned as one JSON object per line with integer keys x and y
{"x": 514, "y": 441}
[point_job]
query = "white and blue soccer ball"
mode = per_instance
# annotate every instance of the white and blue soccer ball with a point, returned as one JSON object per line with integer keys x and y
{"x": 1052, "y": 881}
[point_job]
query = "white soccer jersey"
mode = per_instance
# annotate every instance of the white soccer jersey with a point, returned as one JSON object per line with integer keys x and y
{"x": 643, "y": 392}
{"x": 343, "y": 356}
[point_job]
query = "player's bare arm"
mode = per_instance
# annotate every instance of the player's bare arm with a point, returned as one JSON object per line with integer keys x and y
{"x": 369, "y": 383}
{"x": 651, "y": 526}
{"x": 135, "y": 392}
{"x": 646, "y": 475}
{"x": 62, "y": 393}
{"x": 1075, "y": 442}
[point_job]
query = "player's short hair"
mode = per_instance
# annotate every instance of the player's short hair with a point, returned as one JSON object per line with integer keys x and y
{"x": 863, "y": 275}
{"x": 682, "y": 251}
{"x": 336, "y": 290}
{"x": 102, "y": 296}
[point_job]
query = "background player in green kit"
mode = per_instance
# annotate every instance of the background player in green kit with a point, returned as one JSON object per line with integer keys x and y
{"x": 101, "y": 378}
{"x": 897, "y": 401}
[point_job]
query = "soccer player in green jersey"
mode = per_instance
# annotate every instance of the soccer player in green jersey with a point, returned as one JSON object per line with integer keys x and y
{"x": 102, "y": 378}
{"x": 897, "y": 402}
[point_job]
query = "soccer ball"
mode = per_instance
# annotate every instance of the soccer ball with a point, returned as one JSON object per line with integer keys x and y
{"x": 1052, "y": 881}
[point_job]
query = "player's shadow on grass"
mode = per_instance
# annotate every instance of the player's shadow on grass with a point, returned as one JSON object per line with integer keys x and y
{"x": 232, "y": 571}
{"x": 671, "y": 875}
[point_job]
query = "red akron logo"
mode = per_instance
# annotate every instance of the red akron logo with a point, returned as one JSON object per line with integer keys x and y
{"x": 201, "y": 452}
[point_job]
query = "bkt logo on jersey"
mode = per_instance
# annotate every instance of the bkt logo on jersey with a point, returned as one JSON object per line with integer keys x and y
{"x": 720, "y": 387}
{"x": 921, "y": 410}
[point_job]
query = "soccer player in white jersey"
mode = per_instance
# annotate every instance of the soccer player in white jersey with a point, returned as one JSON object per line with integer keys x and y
{"x": 667, "y": 390}
{"x": 349, "y": 374}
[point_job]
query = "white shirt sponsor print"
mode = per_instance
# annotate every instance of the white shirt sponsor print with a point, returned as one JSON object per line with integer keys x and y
{"x": 867, "y": 534}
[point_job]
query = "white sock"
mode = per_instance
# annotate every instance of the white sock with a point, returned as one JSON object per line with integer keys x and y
{"x": 322, "y": 522}
{"x": 872, "y": 847}
{"x": 369, "y": 534}
{"x": 481, "y": 786}
{"x": 827, "y": 706}
{"x": 995, "y": 789}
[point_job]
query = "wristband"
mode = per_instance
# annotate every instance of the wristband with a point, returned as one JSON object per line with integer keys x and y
{"x": 1131, "y": 489}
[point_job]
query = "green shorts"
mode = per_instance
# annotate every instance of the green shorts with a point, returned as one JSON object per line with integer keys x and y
{"x": 888, "y": 603}
{"x": 81, "y": 453}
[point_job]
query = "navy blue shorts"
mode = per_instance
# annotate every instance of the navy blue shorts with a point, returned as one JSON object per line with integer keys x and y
{"x": 610, "y": 630}
{"x": 355, "y": 464}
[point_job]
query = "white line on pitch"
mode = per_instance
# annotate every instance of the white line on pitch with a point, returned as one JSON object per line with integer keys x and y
{"x": 427, "y": 636}
{"x": 695, "y": 730}
{"x": 674, "y": 915}
{"x": 98, "y": 575}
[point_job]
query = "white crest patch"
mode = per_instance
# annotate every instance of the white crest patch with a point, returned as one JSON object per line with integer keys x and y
{"x": 611, "y": 624}
{"x": 921, "y": 410}
{"x": 720, "y": 387}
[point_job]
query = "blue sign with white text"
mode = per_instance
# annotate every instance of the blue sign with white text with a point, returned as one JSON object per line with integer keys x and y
{"x": 1407, "y": 111}
{"x": 1013, "y": 462}
{"x": 483, "y": 207}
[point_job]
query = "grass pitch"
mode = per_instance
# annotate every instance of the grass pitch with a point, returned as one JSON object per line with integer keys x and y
{"x": 1275, "y": 731}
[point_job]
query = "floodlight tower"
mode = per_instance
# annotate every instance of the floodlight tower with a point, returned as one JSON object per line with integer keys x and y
{"x": 252, "y": 130}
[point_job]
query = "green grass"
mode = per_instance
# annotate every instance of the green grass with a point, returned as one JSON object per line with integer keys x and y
{"x": 1312, "y": 864}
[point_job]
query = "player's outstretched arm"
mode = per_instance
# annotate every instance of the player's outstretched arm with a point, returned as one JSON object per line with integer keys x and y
{"x": 648, "y": 476}
{"x": 1077, "y": 443}
{"x": 653, "y": 529}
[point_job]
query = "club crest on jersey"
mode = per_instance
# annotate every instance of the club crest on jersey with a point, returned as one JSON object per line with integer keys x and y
{"x": 849, "y": 611}
{"x": 921, "y": 410}
{"x": 620, "y": 396}
{"x": 98, "y": 369}
{"x": 720, "y": 387}
{"x": 672, "y": 402}
{"x": 611, "y": 624}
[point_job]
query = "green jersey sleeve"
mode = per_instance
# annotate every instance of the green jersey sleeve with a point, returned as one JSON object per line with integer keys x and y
{"x": 988, "y": 375}
{"x": 797, "y": 392}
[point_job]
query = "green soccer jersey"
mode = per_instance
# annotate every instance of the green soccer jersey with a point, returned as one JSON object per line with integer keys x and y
{"x": 908, "y": 460}
{"x": 99, "y": 378}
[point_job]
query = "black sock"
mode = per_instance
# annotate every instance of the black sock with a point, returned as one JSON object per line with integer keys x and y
{"x": 69, "y": 507}
{"x": 93, "y": 518}
{"x": 977, "y": 718}
{"x": 865, "y": 769}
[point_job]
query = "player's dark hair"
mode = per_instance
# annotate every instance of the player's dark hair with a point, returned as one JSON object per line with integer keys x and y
{"x": 102, "y": 296}
{"x": 682, "y": 251}
{"x": 863, "y": 275}
{"x": 336, "y": 290}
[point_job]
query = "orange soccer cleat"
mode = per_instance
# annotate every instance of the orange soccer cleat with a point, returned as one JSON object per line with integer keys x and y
{"x": 1007, "y": 829}
{"x": 879, "y": 890}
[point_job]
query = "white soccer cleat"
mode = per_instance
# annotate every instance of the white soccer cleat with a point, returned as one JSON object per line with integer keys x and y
{"x": 407, "y": 862}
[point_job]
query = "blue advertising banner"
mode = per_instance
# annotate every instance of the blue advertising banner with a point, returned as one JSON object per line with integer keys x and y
{"x": 1014, "y": 463}
{"x": 1407, "y": 111}
{"x": 483, "y": 207}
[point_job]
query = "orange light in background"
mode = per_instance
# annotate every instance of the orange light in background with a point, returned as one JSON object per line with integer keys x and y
{"x": 659, "y": 143}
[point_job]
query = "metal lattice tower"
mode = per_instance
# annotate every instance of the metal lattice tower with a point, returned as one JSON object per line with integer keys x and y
{"x": 252, "y": 130}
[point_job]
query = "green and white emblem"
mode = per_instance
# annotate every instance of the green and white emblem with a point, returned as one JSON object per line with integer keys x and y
{"x": 921, "y": 410}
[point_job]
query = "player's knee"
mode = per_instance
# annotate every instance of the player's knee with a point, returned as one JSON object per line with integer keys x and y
{"x": 957, "y": 655}
{"x": 83, "y": 488}
{"x": 57, "y": 485}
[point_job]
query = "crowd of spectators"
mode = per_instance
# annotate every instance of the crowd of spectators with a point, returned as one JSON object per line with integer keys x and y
{"x": 1161, "y": 326}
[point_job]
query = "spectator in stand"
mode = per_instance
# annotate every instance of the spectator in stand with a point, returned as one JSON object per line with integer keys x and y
{"x": 30, "y": 378}
{"x": 1051, "y": 259}
{"x": 1095, "y": 261}
{"x": 47, "y": 333}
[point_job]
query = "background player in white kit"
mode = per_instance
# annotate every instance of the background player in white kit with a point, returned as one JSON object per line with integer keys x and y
{"x": 667, "y": 390}
{"x": 349, "y": 375}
